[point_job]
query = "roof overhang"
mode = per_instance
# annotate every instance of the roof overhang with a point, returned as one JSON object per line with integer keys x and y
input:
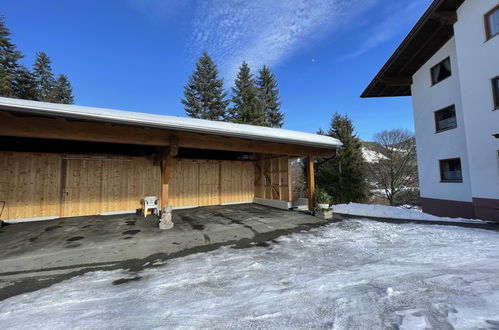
{"x": 429, "y": 34}
{"x": 50, "y": 120}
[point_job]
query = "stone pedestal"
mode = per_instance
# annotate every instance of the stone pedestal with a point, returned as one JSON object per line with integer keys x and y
{"x": 165, "y": 222}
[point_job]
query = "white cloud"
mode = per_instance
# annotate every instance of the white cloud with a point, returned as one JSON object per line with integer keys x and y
{"x": 270, "y": 31}
{"x": 264, "y": 31}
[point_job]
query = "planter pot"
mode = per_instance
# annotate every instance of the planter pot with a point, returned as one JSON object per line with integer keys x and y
{"x": 323, "y": 214}
{"x": 323, "y": 206}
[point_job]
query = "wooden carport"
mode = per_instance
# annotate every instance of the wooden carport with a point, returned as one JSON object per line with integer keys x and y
{"x": 239, "y": 162}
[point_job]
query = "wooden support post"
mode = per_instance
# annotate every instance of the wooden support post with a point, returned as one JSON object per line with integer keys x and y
{"x": 310, "y": 182}
{"x": 167, "y": 162}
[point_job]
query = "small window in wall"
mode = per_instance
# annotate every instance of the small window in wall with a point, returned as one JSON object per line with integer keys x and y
{"x": 495, "y": 92}
{"x": 492, "y": 23}
{"x": 441, "y": 71}
{"x": 445, "y": 119}
{"x": 450, "y": 170}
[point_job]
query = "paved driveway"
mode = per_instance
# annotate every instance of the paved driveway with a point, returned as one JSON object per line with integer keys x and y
{"x": 37, "y": 254}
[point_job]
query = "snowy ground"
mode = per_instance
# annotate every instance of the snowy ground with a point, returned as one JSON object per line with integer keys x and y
{"x": 353, "y": 274}
{"x": 383, "y": 211}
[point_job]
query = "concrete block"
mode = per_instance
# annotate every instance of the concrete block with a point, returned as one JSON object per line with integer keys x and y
{"x": 283, "y": 205}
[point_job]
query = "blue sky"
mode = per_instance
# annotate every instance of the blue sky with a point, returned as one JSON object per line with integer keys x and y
{"x": 137, "y": 54}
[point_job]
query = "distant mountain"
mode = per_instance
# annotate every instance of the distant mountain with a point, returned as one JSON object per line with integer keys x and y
{"x": 369, "y": 152}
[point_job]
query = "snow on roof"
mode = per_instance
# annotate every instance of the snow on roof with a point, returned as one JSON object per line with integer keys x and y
{"x": 171, "y": 122}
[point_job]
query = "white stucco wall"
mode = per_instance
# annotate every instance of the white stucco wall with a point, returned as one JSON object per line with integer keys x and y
{"x": 432, "y": 146}
{"x": 478, "y": 63}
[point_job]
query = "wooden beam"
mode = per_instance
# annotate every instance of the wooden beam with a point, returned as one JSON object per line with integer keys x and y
{"x": 429, "y": 39}
{"x": 167, "y": 163}
{"x": 52, "y": 128}
{"x": 290, "y": 183}
{"x": 310, "y": 182}
{"x": 445, "y": 17}
{"x": 397, "y": 81}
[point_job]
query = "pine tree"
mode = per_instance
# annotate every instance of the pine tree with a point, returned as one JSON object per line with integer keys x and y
{"x": 9, "y": 66}
{"x": 268, "y": 96}
{"x": 344, "y": 176}
{"x": 204, "y": 93}
{"x": 25, "y": 85}
{"x": 62, "y": 92}
{"x": 44, "y": 78}
{"x": 246, "y": 109}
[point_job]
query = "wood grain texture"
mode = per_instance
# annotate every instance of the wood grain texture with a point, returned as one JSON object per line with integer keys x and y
{"x": 30, "y": 185}
{"x": 54, "y": 128}
{"x": 184, "y": 185}
{"x": 44, "y": 185}
{"x": 237, "y": 182}
{"x": 272, "y": 178}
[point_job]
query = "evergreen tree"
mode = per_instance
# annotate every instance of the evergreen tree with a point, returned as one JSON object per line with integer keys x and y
{"x": 204, "y": 93}
{"x": 246, "y": 109}
{"x": 268, "y": 96}
{"x": 25, "y": 85}
{"x": 344, "y": 176}
{"x": 62, "y": 92}
{"x": 44, "y": 78}
{"x": 9, "y": 66}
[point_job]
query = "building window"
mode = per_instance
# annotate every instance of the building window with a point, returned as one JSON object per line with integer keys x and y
{"x": 441, "y": 71}
{"x": 445, "y": 119}
{"x": 450, "y": 170}
{"x": 495, "y": 92}
{"x": 492, "y": 23}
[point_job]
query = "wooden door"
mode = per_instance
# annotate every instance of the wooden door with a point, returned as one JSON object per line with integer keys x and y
{"x": 209, "y": 183}
{"x": 81, "y": 192}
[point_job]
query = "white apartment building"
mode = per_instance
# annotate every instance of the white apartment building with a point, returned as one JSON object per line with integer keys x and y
{"x": 449, "y": 63}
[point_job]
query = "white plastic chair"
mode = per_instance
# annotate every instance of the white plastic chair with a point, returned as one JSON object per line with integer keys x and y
{"x": 151, "y": 203}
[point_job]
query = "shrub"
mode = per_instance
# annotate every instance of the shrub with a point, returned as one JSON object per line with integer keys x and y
{"x": 322, "y": 197}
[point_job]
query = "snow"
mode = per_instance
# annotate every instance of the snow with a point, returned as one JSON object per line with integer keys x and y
{"x": 383, "y": 211}
{"x": 371, "y": 156}
{"x": 354, "y": 274}
{"x": 171, "y": 122}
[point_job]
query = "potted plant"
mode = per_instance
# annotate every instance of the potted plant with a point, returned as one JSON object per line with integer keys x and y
{"x": 322, "y": 198}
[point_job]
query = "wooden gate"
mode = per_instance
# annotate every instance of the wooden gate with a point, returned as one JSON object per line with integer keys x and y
{"x": 102, "y": 185}
{"x": 81, "y": 189}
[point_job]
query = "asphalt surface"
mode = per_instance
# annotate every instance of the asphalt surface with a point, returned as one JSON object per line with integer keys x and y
{"x": 38, "y": 254}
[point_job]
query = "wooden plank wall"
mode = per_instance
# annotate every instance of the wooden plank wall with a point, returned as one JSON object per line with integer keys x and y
{"x": 237, "y": 181}
{"x": 211, "y": 182}
{"x": 272, "y": 179}
{"x": 30, "y": 185}
{"x": 52, "y": 185}
{"x": 184, "y": 187}
{"x": 94, "y": 185}
{"x": 44, "y": 185}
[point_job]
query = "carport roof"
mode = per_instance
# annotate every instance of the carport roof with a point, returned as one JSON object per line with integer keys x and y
{"x": 168, "y": 122}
